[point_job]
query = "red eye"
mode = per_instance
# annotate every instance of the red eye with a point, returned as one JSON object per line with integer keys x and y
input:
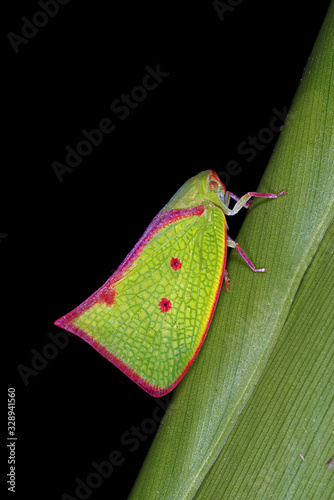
{"x": 213, "y": 185}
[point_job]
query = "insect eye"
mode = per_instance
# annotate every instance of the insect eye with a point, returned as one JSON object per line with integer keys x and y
{"x": 213, "y": 185}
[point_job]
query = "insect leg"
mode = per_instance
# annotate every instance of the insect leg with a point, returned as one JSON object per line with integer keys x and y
{"x": 244, "y": 200}
{"x": 226, "y": 279}
{"x": 236, "y": 198}
{"x": 231, "y": 243}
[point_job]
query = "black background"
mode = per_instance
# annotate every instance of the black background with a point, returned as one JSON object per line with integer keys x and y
{"x": 64, "y": 239}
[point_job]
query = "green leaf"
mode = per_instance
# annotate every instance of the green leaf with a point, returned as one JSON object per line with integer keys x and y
{"x": 284, "y": 436}
{"x": 253, "y": 416}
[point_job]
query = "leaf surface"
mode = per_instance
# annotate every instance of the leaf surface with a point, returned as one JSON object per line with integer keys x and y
{"x": 260, "y": 392}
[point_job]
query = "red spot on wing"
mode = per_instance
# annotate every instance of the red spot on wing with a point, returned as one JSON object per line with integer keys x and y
{"x": 106, "y": 295}
{"x": 165, "y": 305}
{"x": 175, "y": 263}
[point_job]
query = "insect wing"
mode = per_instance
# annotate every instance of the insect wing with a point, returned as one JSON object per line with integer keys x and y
{"x": 151, "y": 317}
